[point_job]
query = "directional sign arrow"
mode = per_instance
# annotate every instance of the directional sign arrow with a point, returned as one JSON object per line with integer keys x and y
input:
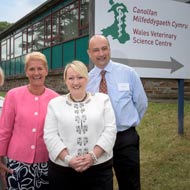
{"x": 173, "y": 64}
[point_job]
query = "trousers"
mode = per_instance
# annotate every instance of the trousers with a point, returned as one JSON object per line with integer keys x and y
{"x": 126, "y": 159}
{"x": 97, "y": 177}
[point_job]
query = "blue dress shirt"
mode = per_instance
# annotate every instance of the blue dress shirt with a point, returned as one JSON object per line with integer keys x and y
{"x": 125, "y": 90}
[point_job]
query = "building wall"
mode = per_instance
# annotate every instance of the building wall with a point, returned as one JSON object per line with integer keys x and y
{"x": 165, "y": 89}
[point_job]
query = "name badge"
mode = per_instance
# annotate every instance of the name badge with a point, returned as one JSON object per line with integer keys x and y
{"x": 123, "y": 86}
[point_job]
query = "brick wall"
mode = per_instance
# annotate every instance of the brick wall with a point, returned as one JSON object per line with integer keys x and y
{"x": 53, "y": 81}
{"x": 156, "y": 89}
{"x": 165, "y": 89}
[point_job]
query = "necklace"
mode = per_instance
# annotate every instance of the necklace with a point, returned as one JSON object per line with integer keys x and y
{"x": 78, "y": 100}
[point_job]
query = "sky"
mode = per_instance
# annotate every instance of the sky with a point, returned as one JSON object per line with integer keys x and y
{"x": 13, "y": 10}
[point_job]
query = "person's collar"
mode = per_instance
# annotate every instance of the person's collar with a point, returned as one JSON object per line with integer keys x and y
{"x": 107, "y": 68}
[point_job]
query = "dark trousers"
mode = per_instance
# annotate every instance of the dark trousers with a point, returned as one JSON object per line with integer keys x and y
{"x": 126, "y": 160}
{"x": 99, "y": 177}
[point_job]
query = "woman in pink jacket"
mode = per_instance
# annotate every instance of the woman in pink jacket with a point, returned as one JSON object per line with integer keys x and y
{"x": 21, "y": 128}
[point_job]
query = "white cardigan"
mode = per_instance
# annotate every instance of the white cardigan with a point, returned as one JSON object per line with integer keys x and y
{"x": 80, "y": 126}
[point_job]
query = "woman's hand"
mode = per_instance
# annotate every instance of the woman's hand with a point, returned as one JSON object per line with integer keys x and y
{"x": 81, "y": 163}
{"x": 3, "y": 171}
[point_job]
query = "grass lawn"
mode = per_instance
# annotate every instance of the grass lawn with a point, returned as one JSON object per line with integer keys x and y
{"x": 165, "y": 155}
{"x": 2, "y": 93}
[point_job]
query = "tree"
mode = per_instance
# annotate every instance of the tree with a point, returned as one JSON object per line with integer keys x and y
{"x": 4, "y": 25}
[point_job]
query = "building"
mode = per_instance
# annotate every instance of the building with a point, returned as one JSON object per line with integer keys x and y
{"x": 60, "y": 30}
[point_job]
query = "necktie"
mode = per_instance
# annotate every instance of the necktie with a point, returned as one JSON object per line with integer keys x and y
{"x": 103, "y": 84}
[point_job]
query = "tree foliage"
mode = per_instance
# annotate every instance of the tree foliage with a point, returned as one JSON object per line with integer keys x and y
{"x": 4, "y": 25}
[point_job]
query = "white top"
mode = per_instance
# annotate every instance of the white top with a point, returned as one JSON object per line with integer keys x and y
{"x": 1, "y": 103}
{"x": 79, "y": 126}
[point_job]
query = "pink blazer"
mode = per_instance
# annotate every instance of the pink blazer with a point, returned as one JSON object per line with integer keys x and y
{"x": 22, "y": 124}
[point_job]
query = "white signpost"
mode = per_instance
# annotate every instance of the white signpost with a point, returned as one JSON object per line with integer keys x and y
{"x": 153, "y": 36}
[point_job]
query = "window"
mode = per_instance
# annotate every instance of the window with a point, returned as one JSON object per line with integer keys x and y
{"x": 12, "y": 47}
{"x": 8, "y": 49}
{"x": 29, "y": 43}
{"x": 47, "y": 40}
{"x": 4, "y": 50}
{"x": 55, "y": 28}
{"x": 84, "y": 16}
{"x": 69, "y": 21}
{"x": 18, "y": 44}
{"x": 24, "y": 41}
{"x": 38, "y": 35}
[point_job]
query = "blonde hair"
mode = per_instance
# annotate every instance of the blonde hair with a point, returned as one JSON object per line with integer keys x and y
{"x": 2, "y": 77}
{"x": 77, "y": 66}
{"x": 35, "y": 56}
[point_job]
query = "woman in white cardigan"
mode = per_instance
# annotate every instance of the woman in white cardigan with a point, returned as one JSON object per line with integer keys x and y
{"x": 80, "y": 133}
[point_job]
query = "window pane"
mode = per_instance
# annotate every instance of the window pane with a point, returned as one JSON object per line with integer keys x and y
{"x": 29, "y": 44}
{"x": 8, "y": 49}
{"x": 84, "y": 12}
{"x": 47, "y": 32}
{"x": 12, "y": 47}
{"x": 24, "y": 42}
{"x": 18, "y": 45}
{"x": 55, "y": 28}
{"x": 3, "y": 51}
{"x": 84, "y": 17}
{"x": 69, "y": 22}
{"x": 38, "y": 36}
